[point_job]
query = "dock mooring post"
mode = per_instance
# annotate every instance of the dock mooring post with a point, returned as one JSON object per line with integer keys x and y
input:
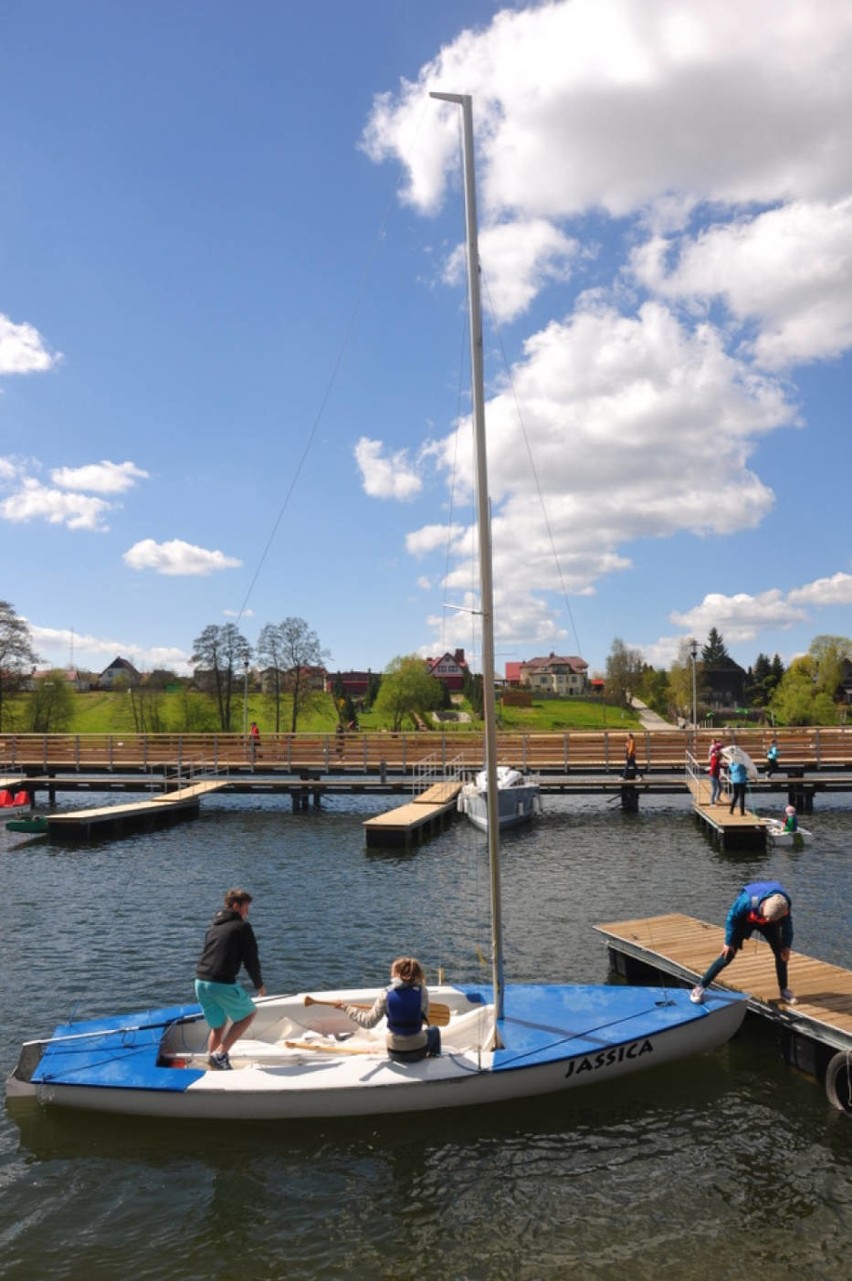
{"x": 629, "y": 795}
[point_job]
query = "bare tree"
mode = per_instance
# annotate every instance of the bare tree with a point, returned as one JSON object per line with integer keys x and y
{"x": 290, "y": 648}
{"x": 16, "y": 650}
{"x": 220, "y": 652}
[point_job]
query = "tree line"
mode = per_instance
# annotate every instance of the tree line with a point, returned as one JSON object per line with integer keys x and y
{"x": 810, "y": 691}
{"x": 225, "y": 667}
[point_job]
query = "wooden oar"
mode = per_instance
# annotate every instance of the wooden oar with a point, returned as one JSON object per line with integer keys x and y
{"x": 439, "y": 1014}
{"x": 334, "y": 1049}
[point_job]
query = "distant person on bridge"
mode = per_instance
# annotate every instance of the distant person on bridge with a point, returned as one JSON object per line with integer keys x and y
{"x": 631, "y": 769}
{"x": 772, "y": 758}
{"x": 764, "y": 906}
{"x": 254, "y": 740}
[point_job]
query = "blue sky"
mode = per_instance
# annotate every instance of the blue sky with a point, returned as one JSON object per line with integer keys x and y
{"x": 233, "y": 377}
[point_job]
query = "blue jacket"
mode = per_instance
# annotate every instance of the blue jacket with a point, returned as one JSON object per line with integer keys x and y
{"x": 739, "y": 924}
{"x": 738, "y": 772}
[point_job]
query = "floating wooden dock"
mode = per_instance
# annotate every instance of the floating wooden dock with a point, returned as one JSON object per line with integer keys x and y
{"x": 164, "y": 808}
{"x": 730, "y": 831}
{"x": 422, "y": 817}
{"x": 816, "y": 1030}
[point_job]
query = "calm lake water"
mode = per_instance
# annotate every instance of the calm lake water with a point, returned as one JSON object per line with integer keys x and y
{"x": 724, "y": 1165}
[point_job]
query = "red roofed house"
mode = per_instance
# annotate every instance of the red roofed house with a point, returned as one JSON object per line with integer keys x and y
{"x": 449, "y": 668}
{"x": 354, "y": 685}
{"x": 562, "y": 677}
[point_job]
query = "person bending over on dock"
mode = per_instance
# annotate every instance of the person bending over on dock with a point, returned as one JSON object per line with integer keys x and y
{"x": 230, "y": 943}
{"x": 764, "y": 906}
{"x": 406, "y": 1004}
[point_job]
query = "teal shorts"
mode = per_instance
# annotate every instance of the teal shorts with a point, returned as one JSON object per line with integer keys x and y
{"x": 223, "y": 1001}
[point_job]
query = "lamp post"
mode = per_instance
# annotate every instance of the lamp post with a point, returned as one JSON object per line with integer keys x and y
{"x": 693, "y": 649}
{"x": 245, "y": 697}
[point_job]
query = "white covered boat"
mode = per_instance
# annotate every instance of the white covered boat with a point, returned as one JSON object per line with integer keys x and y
{"x": 518, "y": 798}
{"x": 306, "y": 1059}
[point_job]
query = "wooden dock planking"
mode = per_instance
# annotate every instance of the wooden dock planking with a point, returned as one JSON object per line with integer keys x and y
{"x": 747, "y": 829}
{"x": 425, "y": 813}
{"x": 157, "y": 808}
{"x": 684, "y": 947}
{"x": 187, "y": 790}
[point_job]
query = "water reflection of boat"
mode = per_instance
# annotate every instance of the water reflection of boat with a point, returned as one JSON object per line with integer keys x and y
{"x": 304, "y": 1058}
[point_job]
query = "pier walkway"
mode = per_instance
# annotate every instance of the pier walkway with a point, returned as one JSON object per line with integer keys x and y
{"x": 820, "y": 751}
{"x": 816, "y": 1030}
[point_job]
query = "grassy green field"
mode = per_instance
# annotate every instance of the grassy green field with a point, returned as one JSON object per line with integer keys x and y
{"x": 113, "y": 713}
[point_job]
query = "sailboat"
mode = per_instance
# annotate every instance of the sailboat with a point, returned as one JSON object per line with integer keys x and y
{"x": 305, "y": 1058}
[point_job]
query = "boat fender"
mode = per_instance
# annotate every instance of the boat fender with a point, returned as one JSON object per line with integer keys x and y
{"x": 838, "y": 1081}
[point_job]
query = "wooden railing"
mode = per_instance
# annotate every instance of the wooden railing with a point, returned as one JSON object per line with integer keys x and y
{"x": 559, "y": 752}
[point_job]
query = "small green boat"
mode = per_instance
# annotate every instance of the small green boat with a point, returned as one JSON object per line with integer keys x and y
{"x": 32, "y": 823}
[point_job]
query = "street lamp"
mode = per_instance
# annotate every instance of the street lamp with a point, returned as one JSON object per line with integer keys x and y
{"x": 245, "y": 697}
{"x": 693, "y": 649}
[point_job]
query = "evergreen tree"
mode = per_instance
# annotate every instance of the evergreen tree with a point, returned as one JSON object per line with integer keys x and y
{"x": 714, "y": 653}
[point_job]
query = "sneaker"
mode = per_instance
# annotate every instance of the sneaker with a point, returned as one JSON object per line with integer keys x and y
{"x": 220, "y": 1061}
{"x": 696, "y": 996}
{"x": 787, "y": 995}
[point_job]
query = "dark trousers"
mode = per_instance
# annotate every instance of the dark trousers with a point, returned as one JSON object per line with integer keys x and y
{"x": 739, "y": 791}
{"x": 772, "y": 933}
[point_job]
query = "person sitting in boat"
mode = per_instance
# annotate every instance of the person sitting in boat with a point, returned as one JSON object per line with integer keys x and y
{"x": 406, "y": 1004}
{"x": 229, "y": 944}
{"x": 764, "y": 906}
{"x": 791, "y": 820}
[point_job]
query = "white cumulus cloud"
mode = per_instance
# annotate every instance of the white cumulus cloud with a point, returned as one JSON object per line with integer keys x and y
{"x": 23, "y": 350}
{"x": 101, "y": 478}
{"x": 386, "y": 475}
{"x": 177, "y": 558}
{"x": 34, "y": 501}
